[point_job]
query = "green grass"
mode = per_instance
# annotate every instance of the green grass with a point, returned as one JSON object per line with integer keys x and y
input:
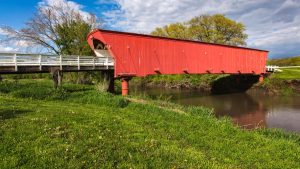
{"x": 284, "y": 82}
{"x": 288, "y": 74}
{"x": 291, "y": 73}
{"x": 78, "y": 127}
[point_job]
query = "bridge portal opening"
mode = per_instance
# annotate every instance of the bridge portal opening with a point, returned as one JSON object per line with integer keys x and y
{"x": 100, "y": 49}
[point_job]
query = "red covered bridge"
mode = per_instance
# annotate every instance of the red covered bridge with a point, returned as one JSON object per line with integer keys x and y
{"x": 142, "y": 55}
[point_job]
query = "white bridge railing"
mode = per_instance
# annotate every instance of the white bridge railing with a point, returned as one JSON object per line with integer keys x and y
{"x": 272, "y": 68}
{"x": 16, "y": 60}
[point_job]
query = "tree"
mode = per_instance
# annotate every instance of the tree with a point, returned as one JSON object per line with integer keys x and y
{"x": 72, "y": 38}
{"x": 207, "y": 28}
{"x": 49, "y": 24}
{"x": 176, "y": 30}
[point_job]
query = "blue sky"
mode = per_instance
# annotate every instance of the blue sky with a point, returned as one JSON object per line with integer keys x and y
{"x": 271, "y": 24}
{"x": 15, "y": 12}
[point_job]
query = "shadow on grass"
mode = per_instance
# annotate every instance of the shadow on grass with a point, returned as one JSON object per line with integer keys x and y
{"x": 9, "y": 113}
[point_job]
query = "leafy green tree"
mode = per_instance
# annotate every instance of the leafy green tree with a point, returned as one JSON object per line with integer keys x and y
{"x": 217, "y": 29}
{"x": 72, "y": 38}
{"x": 207, "y": 28}
{"x": 176, "y": 30}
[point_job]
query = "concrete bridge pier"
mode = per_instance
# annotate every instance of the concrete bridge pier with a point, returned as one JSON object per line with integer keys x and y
{"x": 261, "y": 78}
{"x": 125, "y": 85}
{"x": 57, "y": 76}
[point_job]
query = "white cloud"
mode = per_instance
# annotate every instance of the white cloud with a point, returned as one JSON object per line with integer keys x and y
{"x": 144, "y": 16}
{"x": 3, "y": 32}
{"x": 4, "y": 48}
{"x": 270, "y": 24}
{"x": 66, "y": 7}
{"x": 17, "y": 46}
{"x": 23, "y": 44}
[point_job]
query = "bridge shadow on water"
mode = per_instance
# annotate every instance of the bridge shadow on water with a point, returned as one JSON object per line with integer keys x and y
{"x": 233, "y": 84}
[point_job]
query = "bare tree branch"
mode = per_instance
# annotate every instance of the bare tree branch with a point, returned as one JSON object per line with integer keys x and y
{"x": 42, "y": 28}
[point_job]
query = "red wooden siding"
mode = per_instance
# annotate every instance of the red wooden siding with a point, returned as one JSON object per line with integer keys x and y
{"x": 142, "y": 55}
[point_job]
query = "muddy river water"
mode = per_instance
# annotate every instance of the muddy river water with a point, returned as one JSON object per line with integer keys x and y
{"x": 249, "y": 110}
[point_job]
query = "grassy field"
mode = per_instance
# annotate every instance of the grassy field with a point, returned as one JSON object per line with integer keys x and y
{"x": 286, "y": 82}
{"x": 288, "y": 74}
{"x": 79, "y": 127}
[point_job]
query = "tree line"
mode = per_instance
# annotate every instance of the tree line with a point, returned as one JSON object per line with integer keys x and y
{"x": 206, "y": 28}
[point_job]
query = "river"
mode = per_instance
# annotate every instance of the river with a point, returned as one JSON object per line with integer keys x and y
{"x": 249, "y": 110}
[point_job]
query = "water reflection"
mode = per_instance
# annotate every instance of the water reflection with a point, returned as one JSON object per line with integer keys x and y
{"x": 243, "y": 109}
{"x": 288, "y": 120}
{"x": 249, "y": 110}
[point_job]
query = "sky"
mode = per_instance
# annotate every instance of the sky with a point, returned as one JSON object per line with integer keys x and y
{"x": 272, "y": 25}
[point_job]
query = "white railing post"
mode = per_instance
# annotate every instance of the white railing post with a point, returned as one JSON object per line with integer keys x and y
{"x": 40, "y": 62}
{"x": 78, "y": 62}
{"x": 106, "y": 62}
{"x": 94, "y": 63}
{"x": 60, "y": 62}
{"x": 16, "y": 62}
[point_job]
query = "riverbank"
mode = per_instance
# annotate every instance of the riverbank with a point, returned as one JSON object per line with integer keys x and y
{"x": 286, "y": 82}
{"x": 79, "y": 127}
{"x": 283, "y": 83}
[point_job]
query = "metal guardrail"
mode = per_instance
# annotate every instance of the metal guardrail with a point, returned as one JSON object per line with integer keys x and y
{"x": 18, "y": 59}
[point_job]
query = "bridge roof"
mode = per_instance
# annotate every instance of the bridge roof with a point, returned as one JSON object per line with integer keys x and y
{"x": 159, "y": 37}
